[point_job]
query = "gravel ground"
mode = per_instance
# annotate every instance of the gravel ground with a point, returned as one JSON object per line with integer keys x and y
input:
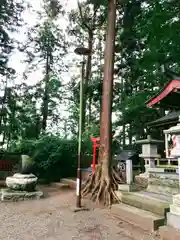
{"x": 53, "y": 218}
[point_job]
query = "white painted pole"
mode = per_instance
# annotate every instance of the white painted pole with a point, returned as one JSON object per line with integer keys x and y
{"x": 129, "y": 172}
{"x": 166, "y": 145}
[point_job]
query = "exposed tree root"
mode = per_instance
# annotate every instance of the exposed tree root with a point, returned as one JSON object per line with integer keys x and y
{"x": 101, "y": 187}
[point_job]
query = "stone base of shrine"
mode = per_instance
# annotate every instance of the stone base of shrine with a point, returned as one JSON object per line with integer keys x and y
{"x": 162, "y": 189}
{"x": 162, "y": 182}
{"x": 13, "y": 196}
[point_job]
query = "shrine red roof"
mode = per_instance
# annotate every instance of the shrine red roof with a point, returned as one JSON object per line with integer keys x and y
{"x": 168, "y": 97}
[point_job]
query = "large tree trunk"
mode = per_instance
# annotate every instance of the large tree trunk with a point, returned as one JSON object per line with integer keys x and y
{"x": 106, "y": 123}
{"x": 100, "y": 72}
{"x": 103, "y": 183}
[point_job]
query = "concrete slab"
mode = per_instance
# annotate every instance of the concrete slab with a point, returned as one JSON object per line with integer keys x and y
{"x": 143, "y": 219}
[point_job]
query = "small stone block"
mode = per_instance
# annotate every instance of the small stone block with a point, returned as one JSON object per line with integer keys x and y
{"x": 173, "y": 220}
{"x": 13, "y": 196}
{"x": 175, "y": 209}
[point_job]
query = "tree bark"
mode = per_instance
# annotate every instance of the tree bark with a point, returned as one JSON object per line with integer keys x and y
{"x": 100, "y": 72}
{"x": 103, "y": 183}
{"x": 107, "y": 93}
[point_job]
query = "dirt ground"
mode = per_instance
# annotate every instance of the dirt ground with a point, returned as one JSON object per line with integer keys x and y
{"x": 53, "y": 218}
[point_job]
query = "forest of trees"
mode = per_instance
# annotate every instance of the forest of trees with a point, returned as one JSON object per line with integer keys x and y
{"x": 147, "y": 33}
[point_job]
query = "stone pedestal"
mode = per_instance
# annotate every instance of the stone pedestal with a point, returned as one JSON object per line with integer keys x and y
{"x": 173, "y": 217}
{"x": 8, "y": 195}
{"x": 22, "y": 182}
{"x": 20, "y": 187}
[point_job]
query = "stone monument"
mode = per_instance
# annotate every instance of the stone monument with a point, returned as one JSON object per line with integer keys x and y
{"x": 128, "y": 186}
{"x": 149, "y": 153}
{"x": 22, "y": 186}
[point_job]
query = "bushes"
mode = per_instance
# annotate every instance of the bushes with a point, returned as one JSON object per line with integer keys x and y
{"x": 54, "y": 158}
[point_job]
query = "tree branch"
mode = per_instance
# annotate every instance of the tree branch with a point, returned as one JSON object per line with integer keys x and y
{"x": 81, "y": 15}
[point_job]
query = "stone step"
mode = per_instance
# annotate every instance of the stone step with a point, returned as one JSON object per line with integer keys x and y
{"x": 169, "y": 233}
{"x": 71, "y": 182}
{"x": 163, "y": 197}
{"x": 144, "y": 202}
{"x": 131, "y": 231}
{"x": 143, "y": 219}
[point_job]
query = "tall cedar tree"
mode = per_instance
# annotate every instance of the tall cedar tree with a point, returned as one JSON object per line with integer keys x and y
{"x": 103, "y": 183}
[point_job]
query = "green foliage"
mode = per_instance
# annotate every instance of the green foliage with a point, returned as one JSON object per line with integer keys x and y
{"x": 54, "y": 158}
{"x": 146, "y": 33}
{"x": 10, "y": 19}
